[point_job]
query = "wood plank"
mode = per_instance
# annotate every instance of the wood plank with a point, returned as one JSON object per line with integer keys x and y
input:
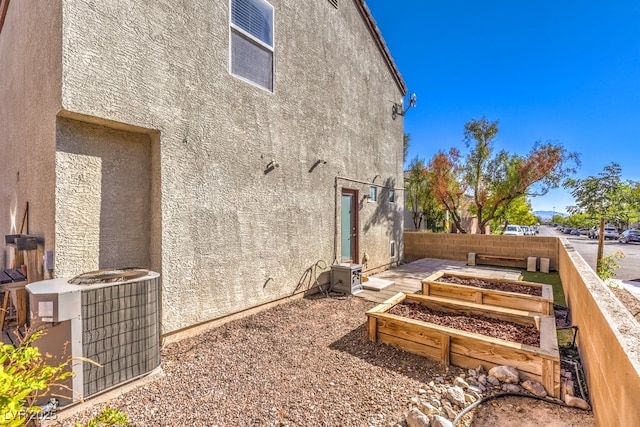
{"x": 522, "y": 359}
{"x": 551, "y": 377}
{"x": 401, "y": 287}
{"x": 413, "y": 347}
{"x": 426, "y": 287}
{"x": 516, "y": 301}
{"x": 33, "y": 266}
{"x": 411, "y": 332}
{"x": 5, "y": 308}
{"x": 499, "y": 257}
{"x": 372, "y": 328}
{"x": 21, "y": 306}
{"x": 445, "y": 349}
{"x": 471, "y": 309}
{"x": 449, "y": 290}
{"x": 435, "y": 276}
{"x": 430, "y": 328}
{"x": 548, "y": 334}
{"x": 387, "y": 303}
{"x": 492, "y": 296}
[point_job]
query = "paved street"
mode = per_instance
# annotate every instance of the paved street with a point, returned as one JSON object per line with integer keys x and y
{"x": 629, "y": 271}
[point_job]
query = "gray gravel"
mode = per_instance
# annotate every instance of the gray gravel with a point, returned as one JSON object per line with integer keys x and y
{"x": 306, "y": 363}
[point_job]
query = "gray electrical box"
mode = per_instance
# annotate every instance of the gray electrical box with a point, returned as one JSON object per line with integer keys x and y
{"x": 346, "y": 278}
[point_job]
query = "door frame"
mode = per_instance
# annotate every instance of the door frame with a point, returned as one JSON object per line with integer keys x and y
{"x": 355, "y": 240}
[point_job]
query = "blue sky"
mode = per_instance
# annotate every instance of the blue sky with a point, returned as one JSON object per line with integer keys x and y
{"x": 565, "y": 71}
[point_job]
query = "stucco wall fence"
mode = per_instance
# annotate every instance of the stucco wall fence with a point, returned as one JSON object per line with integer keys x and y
{"x": 607, "y": 338}
{"x": 457, "y": 246}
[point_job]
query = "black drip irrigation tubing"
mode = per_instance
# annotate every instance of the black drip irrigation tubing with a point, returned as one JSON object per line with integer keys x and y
{"x": 504, "y": 394}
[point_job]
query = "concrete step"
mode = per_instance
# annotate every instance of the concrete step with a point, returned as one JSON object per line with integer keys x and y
{"x": 376, "y": 284}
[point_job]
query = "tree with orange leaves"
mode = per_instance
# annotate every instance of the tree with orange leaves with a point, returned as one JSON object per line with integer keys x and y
{"x": 485, "y": 184}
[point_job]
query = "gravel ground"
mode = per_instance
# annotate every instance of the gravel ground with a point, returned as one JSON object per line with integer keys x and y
{"x": 628, "y": 300}
{"x": 304, "y": 363}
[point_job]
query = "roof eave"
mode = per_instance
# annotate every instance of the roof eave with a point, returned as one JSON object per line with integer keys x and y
{"x": 384, "y": 50}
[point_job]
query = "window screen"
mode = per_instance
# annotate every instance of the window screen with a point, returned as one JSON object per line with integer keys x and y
{"x": 252, "y": 41}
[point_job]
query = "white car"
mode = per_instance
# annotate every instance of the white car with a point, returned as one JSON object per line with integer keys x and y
{"x": 513, "y": 230}
{"x": 611, "y": 233}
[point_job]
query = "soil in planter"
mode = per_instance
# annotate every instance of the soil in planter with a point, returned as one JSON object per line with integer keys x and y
{"x": 497, "y": 286}
{"x": 494, "y": 328}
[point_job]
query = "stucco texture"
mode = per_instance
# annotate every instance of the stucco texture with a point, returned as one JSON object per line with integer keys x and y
{"x": 234, "y": 234}
{"x": 30, "y": 96}
{"x": 103, "y": 198}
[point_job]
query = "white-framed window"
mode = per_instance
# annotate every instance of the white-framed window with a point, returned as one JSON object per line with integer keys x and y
{"x": 373, "y": 193}
{"x": 392, "y": 195}
{"x": 392, "y": 249}
{"x": 251, "y": 42}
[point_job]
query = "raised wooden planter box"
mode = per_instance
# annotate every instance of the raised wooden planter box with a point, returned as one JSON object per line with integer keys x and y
{"x": 544, "y": 304}
{"x": 466, "y": 349}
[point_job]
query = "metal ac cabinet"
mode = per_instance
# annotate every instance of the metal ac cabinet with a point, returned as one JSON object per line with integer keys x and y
{"x": 115, "y": 324}
{"x": 346, "y": 278}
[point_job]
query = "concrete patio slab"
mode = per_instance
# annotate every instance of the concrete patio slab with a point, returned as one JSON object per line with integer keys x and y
{"x": 408, "y": 277}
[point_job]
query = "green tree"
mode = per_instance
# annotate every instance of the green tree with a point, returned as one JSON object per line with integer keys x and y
{"x": 444, "y": 172}
{"x": 599, "y": 197}
{"x": 518, "y": 211}
{"x": 416, "y": 186}
{"x": 419, "y": 198}
{"x": 494, "y": 181}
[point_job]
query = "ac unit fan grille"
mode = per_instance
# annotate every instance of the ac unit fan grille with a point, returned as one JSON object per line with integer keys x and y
{"x": 120, "y": 332}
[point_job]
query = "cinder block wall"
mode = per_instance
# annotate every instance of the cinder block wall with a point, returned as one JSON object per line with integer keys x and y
{"x": 607, "y": 338}
{"x": 456, "y": 246}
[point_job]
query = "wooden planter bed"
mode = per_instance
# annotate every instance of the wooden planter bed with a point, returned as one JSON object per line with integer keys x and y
{"x": 467, "y": 349}
{"x": 501, "y": 296}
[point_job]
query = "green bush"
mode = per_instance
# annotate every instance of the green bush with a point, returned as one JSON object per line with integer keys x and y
{"x": 108, "y": 417}
{"x": 24, "y": 377}
{"x": 608, "y": 265}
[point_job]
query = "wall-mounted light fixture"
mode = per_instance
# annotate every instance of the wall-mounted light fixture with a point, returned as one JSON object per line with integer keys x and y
{"x": 317, "y": 163}
{"x": 398, "y": 109}
{"x": 273, "y": 164}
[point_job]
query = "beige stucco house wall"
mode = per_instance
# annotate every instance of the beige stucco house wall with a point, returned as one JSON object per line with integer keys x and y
{"x": 137, "y": 146}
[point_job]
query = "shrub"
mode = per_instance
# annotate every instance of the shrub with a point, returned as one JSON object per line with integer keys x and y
{"x": 24, "y": 377}
{"x": 608, "y": 265}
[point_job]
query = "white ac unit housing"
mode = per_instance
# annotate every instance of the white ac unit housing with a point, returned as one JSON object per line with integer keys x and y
{"x": 116, "y": 325}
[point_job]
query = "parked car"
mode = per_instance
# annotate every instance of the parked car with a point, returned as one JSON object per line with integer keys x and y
{"x": 575, "y": 232}
{"x": 611, "y": 233}
{"x": 584, "y": 231}
{"x": 628, "y": 236}
{"x": 513, "y": 230}
{"x": 526, "y": 230}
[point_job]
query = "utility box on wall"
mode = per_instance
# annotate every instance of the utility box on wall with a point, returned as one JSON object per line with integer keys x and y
{"x": 346, "y": 278}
